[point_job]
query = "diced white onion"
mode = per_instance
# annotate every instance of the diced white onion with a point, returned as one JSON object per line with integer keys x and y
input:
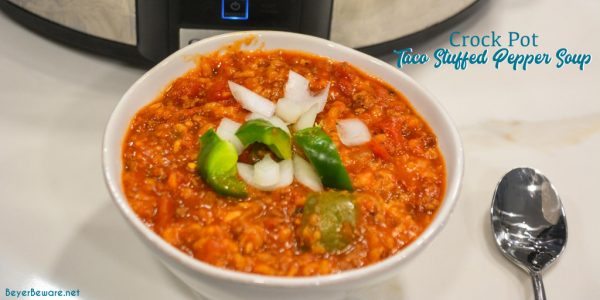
{"x": 321, "y": 97}
{"x": 251, "y": 100}
{"x": 306, "y": 174}
{"x": 308, "y": 118}
{"x": 279, "y": 123}
{"x": 246, "y": 171}
{"x": 226, "y": 130}
{"x": 274, "y": 120}
{"x": 266, "y": 172}
{"x": 353, "y": 132}
{"x": 286, "y": 175}
{"x": 296, "y": 86}
{"x": 254, "y": 116}
{"x": 290, "y": 110}
{"x": 298, "y": 99}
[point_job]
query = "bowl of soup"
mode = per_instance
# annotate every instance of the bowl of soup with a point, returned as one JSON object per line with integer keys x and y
{"x": 270, "y": 165}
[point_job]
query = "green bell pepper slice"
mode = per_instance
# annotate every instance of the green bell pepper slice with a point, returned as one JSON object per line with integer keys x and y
{"x": 333, "y": 214}
{"x": 262, "y": 131}
{"x": 324, "y": 156}
{"x": 217, "y": 165}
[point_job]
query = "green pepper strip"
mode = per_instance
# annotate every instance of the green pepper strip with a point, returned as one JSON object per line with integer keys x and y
{"x": 333, "y": 214}
{"x": 262, "y": 131}
{"x": 323, "y": 155}
{"x": 217, "y": 165}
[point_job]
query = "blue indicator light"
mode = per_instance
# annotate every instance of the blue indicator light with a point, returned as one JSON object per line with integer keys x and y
{"x": 234, "y": 9}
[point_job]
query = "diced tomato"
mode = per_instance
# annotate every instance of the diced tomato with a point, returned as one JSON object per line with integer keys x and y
{"x": 219, "y": 90}
{"x": 407, "y": 178}
{"x": 379, "y": 150}
{"x": 211, "y": 251}
{"x": 184, "y": 87}
{"x": 393, "y": 130}
{"x": 165, "y": 213}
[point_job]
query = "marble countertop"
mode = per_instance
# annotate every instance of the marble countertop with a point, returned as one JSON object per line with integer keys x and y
{"x": 60, "y": 229}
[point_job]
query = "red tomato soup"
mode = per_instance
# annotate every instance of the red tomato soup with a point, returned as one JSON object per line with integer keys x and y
{"x": 396, "y": 178}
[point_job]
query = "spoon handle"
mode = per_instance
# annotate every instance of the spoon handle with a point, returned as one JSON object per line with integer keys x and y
{"x": 538, "y": 286}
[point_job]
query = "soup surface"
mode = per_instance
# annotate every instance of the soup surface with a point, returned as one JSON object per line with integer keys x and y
{"x": 397, "y": 177}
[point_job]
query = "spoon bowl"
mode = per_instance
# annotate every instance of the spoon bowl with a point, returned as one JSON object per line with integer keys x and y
{"x": 529, "y": 222}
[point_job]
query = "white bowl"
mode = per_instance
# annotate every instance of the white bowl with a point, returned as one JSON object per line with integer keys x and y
{"x": 222, "y": 284}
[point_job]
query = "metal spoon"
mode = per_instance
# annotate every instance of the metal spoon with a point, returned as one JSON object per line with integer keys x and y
{"x": 529, "y": 223}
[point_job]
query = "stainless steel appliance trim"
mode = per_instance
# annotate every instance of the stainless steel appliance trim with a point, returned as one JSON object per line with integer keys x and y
{"x": 190, "y": 35}
{"x": 108, "y": 19}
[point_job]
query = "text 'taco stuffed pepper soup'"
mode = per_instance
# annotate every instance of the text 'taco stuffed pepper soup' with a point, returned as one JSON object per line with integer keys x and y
{"x": 282, "y": 163}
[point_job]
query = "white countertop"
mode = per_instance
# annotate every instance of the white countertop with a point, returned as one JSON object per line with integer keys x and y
{"x": 60, "y": 229}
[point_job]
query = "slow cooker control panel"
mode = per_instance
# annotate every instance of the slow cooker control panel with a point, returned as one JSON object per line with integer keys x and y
{"x": 164, "y": 26}
{"x": 240, "y": 14}
{"x": 234, "y": 9}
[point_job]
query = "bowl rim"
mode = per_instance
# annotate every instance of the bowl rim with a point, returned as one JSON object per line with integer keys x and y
{"x": 112, "y": 180}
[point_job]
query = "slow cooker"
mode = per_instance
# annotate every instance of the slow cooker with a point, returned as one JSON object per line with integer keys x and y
{"x": 146, "y": 31}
